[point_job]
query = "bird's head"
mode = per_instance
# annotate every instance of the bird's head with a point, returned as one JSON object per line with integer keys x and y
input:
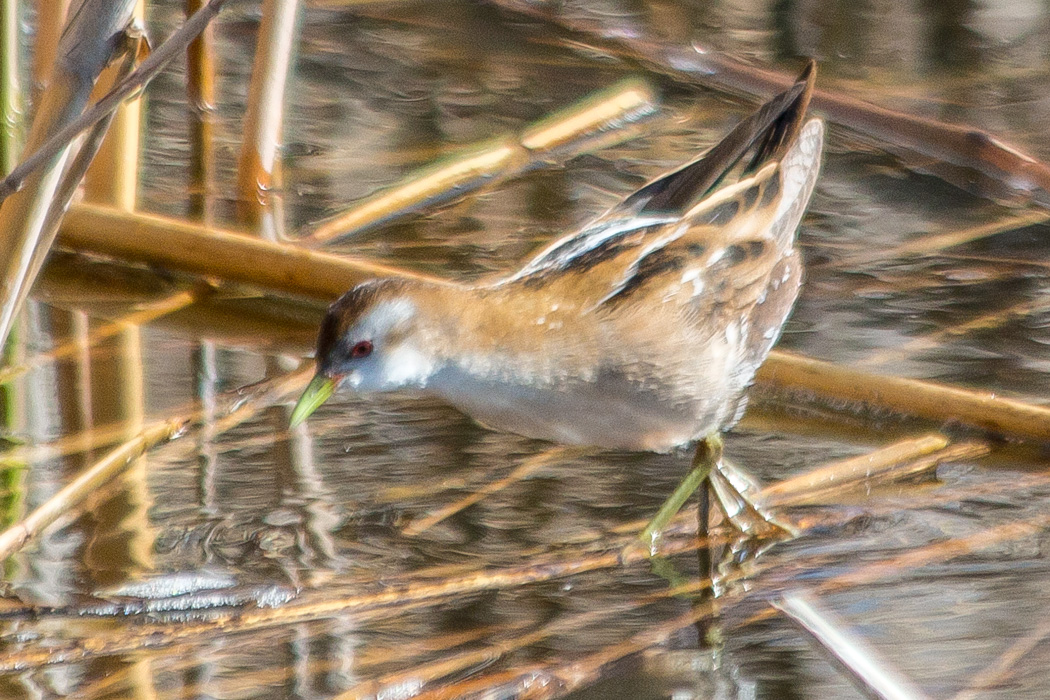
{"x": 369, "y": 341}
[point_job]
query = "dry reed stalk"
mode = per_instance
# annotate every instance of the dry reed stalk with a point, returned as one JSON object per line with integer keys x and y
{"x": 50, "y": 20}
{"x": 460, "y": 173}
{"x": 399, "y": 598}
{"x": 862, "y": 664}
{"x": 429, "y": 672}
{"x": 1019, "y": 487}
{"x": 891, "y": 463}
{"x": 511, "y": 684}
{"x": 56, "y": 143}
{"x": 377, "y": 656}
{"x": 428, "y": 592}
{"x": 239, "y": 258}
{"x": 258, "y": 172}
{"x": 232, "y": 316}
{"x": 469, "y": 583}
{"x": 528, "y": 467}
{"x": 420, "y": 676}
{"x": 12, "y": 539}
{"x": 574, "y": 675}
{"x": 1007, "y": 171}
{"x": 937, "y": 552}
{"x": 93, "y": 438}
{"x": 579, "y": 672}
{"x": 113, "y": 176}
{"x": 236, "y": 257}
{"x": 11, "y": 109}
{"x": 231, "y": 686}
{"x": 106, "y": 434}
{"x": 28, "y": 217}
{"x": 562, "y": 134}
{"x": 981, "y": 410}
{"x": 165, "y": 634}
{"x": 66, "y": 187}
{"x": 169, "y": 635}
{"x": 263, "y": 395}
{"x": 127, "y": 405}
{"x": 179, "y": 245}
{"x": 201, "y": 94}
{"x": 175, "y": 302}
{"x": 206, "y": 251}
{"x": 243, "y": 408}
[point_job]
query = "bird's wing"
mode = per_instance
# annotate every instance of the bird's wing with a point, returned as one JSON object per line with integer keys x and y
{"x": 728, "y": 251}
{"x": 767, "y": 133}
{"x": 626, "y": 241}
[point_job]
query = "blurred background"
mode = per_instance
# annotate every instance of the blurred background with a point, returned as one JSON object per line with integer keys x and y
{"x": 246, "y": 560}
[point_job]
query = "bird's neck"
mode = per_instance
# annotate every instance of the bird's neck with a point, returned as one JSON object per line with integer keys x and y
{"x": 504, "y": 331}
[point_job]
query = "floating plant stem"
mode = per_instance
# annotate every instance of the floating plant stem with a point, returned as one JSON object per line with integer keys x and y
{"x": 893, "y": 461}
{"x": 103, "y": 471}
{"x": 559, "y": 136}
{"x": 181, "y": 245}
{"x": 175, "y": 302}
{"x": 559, "y": 453}
{"x": 981, "y": 410}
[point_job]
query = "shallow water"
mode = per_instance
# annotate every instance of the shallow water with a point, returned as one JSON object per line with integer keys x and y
{"x": 255, "y": 518}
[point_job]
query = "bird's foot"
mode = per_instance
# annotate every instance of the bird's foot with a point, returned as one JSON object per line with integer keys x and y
{"x": 735, "y": 492}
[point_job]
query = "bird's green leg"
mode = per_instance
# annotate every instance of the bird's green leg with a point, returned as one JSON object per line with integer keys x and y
{"x": 708, "y": 454}
{"x": 732, "y": 490}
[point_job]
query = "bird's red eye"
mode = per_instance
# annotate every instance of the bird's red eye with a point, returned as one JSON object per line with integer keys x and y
{"x": 361, "y": 349}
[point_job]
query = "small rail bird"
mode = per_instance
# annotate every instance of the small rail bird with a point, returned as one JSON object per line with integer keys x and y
{"x": 641, "y": 331}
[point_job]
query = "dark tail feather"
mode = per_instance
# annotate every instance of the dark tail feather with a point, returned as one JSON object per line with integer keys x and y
{"x": 769, "y": 131}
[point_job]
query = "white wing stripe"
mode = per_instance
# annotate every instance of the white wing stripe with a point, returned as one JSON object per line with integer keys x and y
{"x": 587, "y": 240}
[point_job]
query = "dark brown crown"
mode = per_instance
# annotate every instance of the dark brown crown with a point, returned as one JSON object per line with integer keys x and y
{"x": 332, "y": 343}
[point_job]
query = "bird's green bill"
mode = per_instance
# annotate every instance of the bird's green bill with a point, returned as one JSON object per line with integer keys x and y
{"x": 319, "y": 390}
